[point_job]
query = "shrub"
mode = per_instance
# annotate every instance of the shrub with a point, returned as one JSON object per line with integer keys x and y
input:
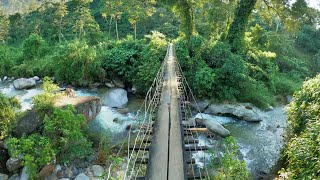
{"x": 8, "y": 58}
{"x": 34, "y": 46}
{"x": 302, "y": 151}
{"x": 145, "y": 70}
{"x": 305, "y": 105}
{"x": 8, "y": 116}
{"x": 43, "y": 103}
{"x": 64, "y": 129}
{"x": 216, "y": 54}
{"x": 257, "y": 93}
{"x": 76, "y": 63}
{"x": 284, "y": 84}
{"x": 308, "y": 39}
{"x": 202, "y": 81}
{"x": 230, "y": 166}
{"x": 35, "y": 149}
{"x": 231, "y": 78}
{"x": 120, "y": 61}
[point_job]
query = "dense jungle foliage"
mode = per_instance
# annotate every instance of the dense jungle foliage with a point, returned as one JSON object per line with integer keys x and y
{"x": 254, "y": 51}
{"x": 303, "y": 149}
{"x": 249, "y": 52}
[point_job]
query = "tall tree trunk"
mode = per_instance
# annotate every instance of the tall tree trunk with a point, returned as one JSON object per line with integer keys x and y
{"x": 187, "y": 16}
{"x": 135, "y": 31}
{"x": 110, "y": 23}
{"x": 117, "y": 29}
{"x": 237, "y": 29}
{"x": 60, "y": 29}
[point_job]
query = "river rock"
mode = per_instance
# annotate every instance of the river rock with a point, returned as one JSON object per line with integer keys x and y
{"x": 82, "y": 176}
{"x": 97, "y": 170}
{"x": 89, "y": 106}
{"x": 202, "y": 105}
{"x": 54, "y": 174}
{"x": 14, "y": 163}
{"x": 24, "y": 83}
{"x": 4, "y": 176}
{"x": 118, "y": 83}
{"x": 134, "y": 89}
{"x": 24, "y": 175}
{"x": 123, "y": 110}
{"x": 5, "y": 78}
{"x": 65, "y": 172}
{"x": 110, "y": 85}
{"x": 36, "y": 78}
{"x": 14, "y": 177}
{"x": 94, "y": 85}
{"x": 214, "y": 127}
{"x": 116, "y": 98}
{"x": 46, "y": 171}
{"x": 243, "y": 111}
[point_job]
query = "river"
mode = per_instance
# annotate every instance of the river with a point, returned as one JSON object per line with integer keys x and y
{"x": 260, "y": 143}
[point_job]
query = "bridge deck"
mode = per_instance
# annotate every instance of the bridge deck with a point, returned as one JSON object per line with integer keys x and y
{"x": 166, "y": 153}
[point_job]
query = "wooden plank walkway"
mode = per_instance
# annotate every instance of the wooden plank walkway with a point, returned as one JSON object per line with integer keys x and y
{"x": 166, "y": 152}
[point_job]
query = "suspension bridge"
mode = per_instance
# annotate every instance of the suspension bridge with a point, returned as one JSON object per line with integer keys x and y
{"x": 167, "y": 139}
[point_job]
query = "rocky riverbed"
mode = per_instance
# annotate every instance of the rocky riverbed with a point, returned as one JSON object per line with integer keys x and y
{"x": 260, "y": 141}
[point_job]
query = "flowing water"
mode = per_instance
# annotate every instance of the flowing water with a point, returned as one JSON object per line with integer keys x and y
{"x": 260, "y": 143}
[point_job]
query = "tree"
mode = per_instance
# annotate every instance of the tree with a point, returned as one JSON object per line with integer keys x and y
{"x": 16, "y": 28}
{"x": 139, "y": 9}
{"x": 4, "y": 27}
{"x": 60, "y": 13}
{"x": 113, "y": 9}
{"x": 85, "y": 24}
{"x": 237, "y": 29}
{"x": 217, "y": 15}
{"x": 185, "y": 9}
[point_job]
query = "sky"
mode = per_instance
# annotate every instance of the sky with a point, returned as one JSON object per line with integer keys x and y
{"x": 314, "y": 3}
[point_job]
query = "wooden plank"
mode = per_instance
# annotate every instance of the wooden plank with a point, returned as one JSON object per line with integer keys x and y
{"x": 191, "y": 141}
{"x": 196, "y": 148}
{"x": 137, "y": 148}
{"x": 196, "y": 129}
{"x": 196, "y": 176}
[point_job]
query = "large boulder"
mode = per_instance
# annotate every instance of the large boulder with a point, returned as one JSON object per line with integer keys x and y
{"x": 36, "y": 78}
{"x": 14, "y": 163}
{"x": 214, "y": 127}
{"x": 243, "y": 111}
{"x": 116, "y": 98}
{"x": 24, "y": 83}
{"x": 89, "y": 106}
{"x": 200, "y": 105}
{"x": 29, "y": 122}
